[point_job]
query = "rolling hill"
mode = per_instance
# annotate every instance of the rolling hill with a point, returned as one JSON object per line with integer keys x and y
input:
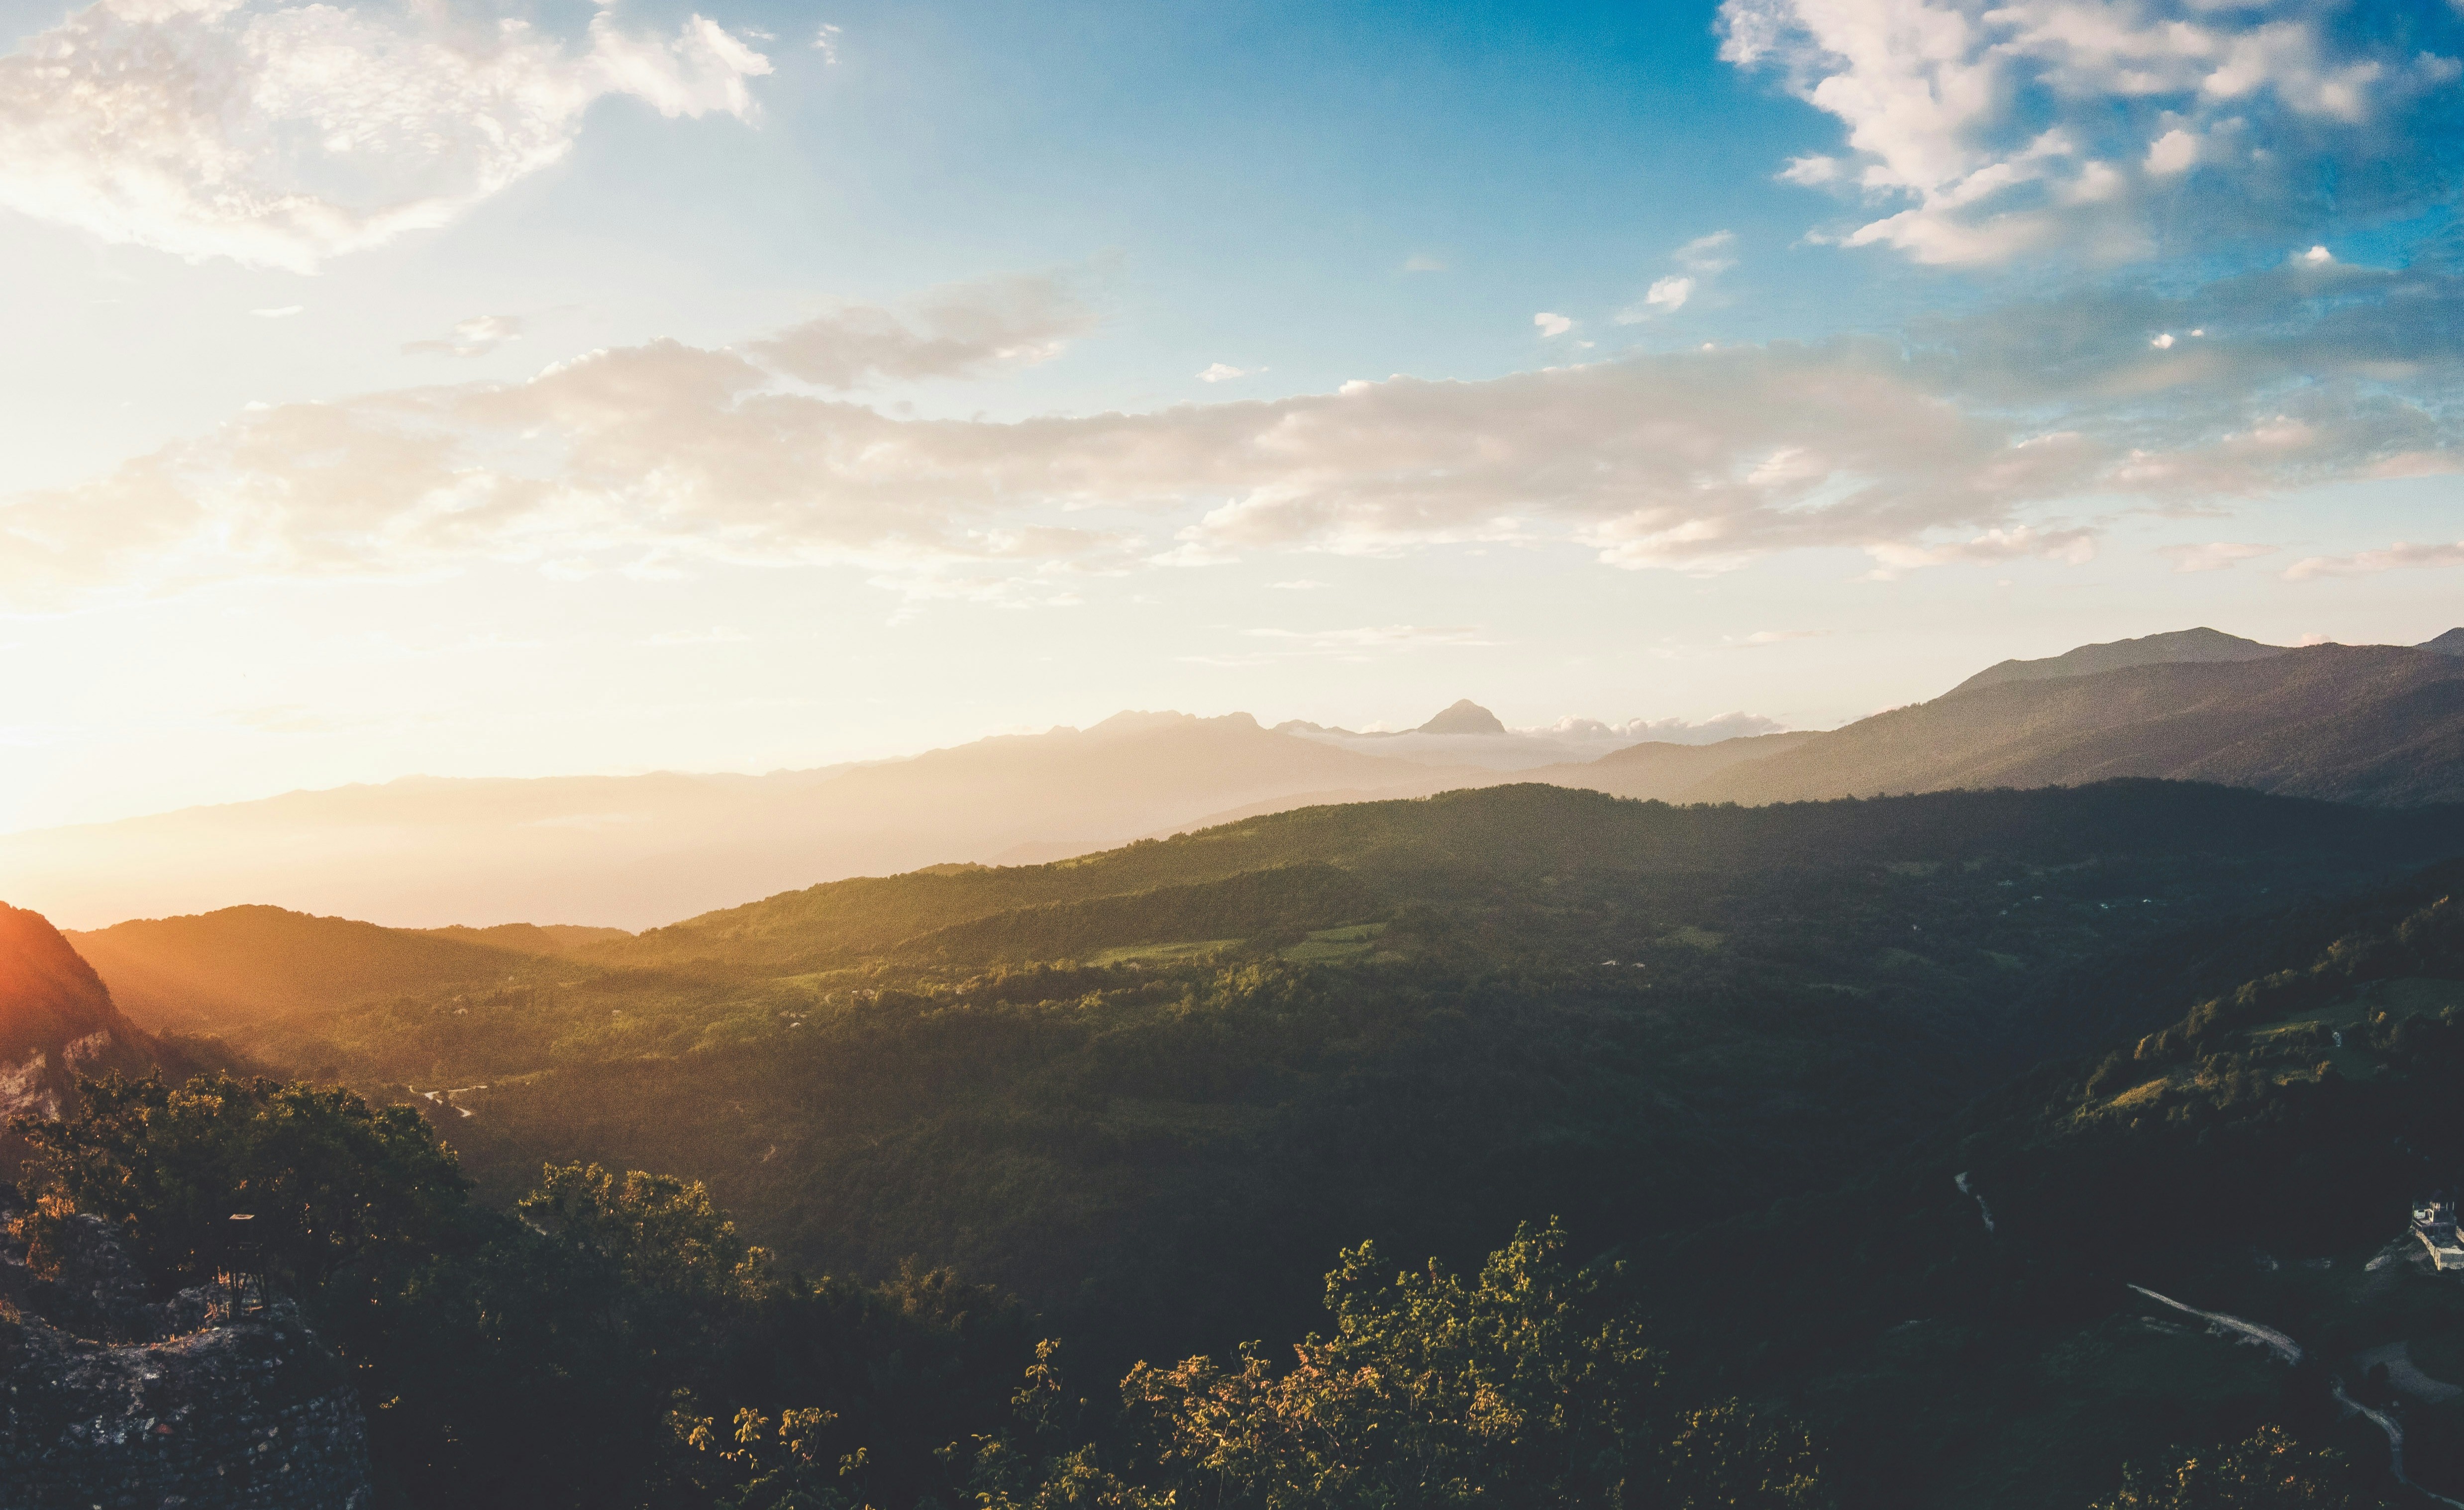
{"x": 1132, "y": 1085}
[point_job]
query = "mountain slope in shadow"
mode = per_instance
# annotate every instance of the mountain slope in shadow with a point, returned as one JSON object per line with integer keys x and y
{"x": 2375, "y": 724}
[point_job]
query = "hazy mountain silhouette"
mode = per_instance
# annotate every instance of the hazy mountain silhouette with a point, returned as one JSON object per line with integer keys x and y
{"x": 57, "y": 1021}
{"x": 2377, "y": 724}
{"x": 2183, "y": 646}
{"x": 642, "y": 850}
{"x": 1464, "y": 717}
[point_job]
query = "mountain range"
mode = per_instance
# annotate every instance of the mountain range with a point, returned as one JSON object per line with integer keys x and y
{"x": 2374, "y": 724}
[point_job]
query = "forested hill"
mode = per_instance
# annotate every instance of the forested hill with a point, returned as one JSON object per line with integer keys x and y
{"x": 1973, "y": 1335}
{"x": 2379, "y": 724}
{"x": 1461, "y": 844}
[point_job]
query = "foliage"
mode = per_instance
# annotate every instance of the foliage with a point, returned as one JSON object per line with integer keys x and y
{"x": 2269, "y": 1471}
{"x": 1429, "y": 1391}
{"x": 328, "y": 1180}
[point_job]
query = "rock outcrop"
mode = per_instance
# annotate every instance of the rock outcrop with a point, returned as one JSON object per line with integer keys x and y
{"x": 56, "y": 1023}
{"x": 107, "y": 1399}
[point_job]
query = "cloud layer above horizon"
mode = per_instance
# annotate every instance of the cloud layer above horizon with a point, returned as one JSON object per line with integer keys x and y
{"x": 2078, "y": 132}
{"x": 1947, "y": 448}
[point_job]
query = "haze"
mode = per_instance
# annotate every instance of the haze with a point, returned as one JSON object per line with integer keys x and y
{"x": 751, "y": 390}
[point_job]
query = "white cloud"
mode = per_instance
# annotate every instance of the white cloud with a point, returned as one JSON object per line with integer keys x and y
{"x": 1222, "y": 372}
{"x": 2028, "y": 127}
{"x": 1710, "y": 254}
{"x": 1704, "y": 259}
{"x": 1421, "y": 262}
{"x": 2215, "y": 555}
{"x": 1550, "y": 325}
{"x": 283, "y": 135}
{"x": 2366, "y": 563}
{"x": 1958, "y": 444}
{"x": 2176, "y": 151}
{"x": 475, "y": 337}
{"x": 955, "y": 331}
{"x": 284, "y": 312}
{"x": 826, "y": 42}
{"x": 2071, "y": 547}
{"x": 1763, "y": 637}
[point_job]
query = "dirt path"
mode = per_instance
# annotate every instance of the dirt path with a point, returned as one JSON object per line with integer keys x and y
{"x": 1982, "y": 1210}
{"x": 2395, "y": 1440}
{"x": 2275, "y": 1342}
{"x": 2286, "y": 1348}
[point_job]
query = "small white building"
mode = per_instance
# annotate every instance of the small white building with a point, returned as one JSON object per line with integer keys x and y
{"x": 2433, "y": 1222}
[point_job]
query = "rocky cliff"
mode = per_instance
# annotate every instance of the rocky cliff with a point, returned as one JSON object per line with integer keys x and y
{"x": 108, "y": 1400}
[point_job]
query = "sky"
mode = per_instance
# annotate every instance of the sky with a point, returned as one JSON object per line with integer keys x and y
{"x": 536, "y": 391}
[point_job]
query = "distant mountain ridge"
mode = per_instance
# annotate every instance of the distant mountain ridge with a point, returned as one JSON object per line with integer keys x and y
{"x": 2376, "y": 724}
{"x": 2198, "y": 646}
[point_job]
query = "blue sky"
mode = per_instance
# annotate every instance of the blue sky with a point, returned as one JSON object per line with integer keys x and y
{"x": 650, "y": 387}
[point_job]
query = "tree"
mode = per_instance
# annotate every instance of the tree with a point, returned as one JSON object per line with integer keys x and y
{"x": 329, "y": 1181}
{"x": 2268, "y": 1471}
{"x": 1529, "y": 1387}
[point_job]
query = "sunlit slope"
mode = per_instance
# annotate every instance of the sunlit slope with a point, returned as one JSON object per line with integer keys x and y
{"x": 57, "y": 1021}
{"x": 1133, "y": 1084}
{"x": 222, "y": 971}
{"x": 2378, "y": 723}
{"x": 641, "y": 850}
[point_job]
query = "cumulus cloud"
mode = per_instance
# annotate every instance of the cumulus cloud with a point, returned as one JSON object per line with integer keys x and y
{"x": 2365, "y": 563}
{"x": 475, "y": 337}
{"x": 2215, "y": 555}
{"x": 282, "y": 135}
{"x": 2102, "y": 127}
{"x": 1961, "y": 444}
{"x": 1550, "y": 326}
{"x": 958, "y": 330}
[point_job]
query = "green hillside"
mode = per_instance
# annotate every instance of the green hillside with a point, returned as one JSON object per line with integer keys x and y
{"x": 2239, "y": 1159}
{"x": 1148, "y": 1089}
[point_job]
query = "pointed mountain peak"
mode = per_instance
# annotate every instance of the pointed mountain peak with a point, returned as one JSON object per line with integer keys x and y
{"x": 1464, "y": 717}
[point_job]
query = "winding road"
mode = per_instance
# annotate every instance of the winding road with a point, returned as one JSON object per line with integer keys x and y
{"x": 2286, "y": 1348}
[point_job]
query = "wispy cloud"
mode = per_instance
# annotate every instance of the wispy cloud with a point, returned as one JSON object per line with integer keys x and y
{"x": 1551, "y": 326}
{"x": 2365, "y": 563}
{"x": 284, "y": 135}
{"x": 1702, "y": 259}
{"x": 955, "y": 331}
{"x": 2214, "y": 556}
{"x": 1226, "y": 372}
{"x": 1422, "y": 262}
{"x": 475, "y": 337}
